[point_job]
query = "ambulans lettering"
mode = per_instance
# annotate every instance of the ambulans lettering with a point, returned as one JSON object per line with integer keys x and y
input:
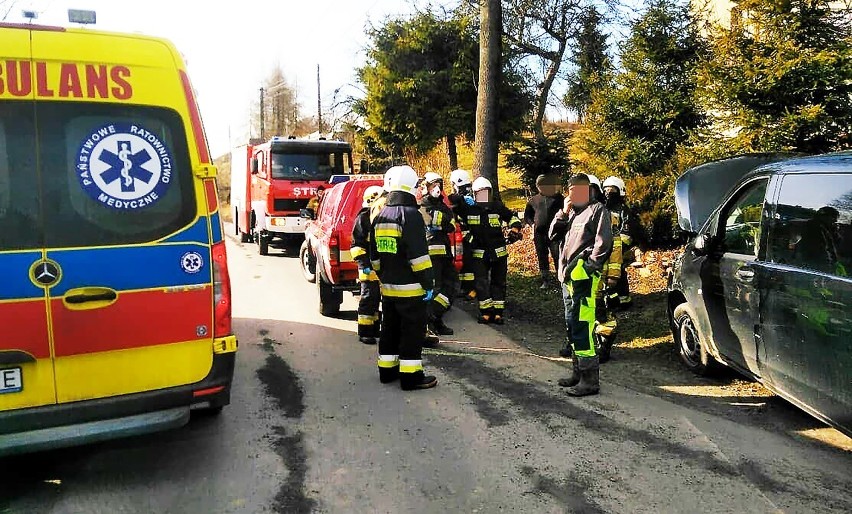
{"x": 124, "y": 166}
{"x": 67, "y": 80}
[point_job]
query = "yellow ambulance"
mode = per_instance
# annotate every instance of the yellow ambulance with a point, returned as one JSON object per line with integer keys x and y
{"x": 115, "y": 304}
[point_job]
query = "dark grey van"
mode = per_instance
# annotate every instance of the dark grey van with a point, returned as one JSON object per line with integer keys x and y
{"x": 765, "y": 284}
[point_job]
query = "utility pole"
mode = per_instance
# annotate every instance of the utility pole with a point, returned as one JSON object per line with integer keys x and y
{"x": 261, "y": 115}
{"x": 319, "y": 103}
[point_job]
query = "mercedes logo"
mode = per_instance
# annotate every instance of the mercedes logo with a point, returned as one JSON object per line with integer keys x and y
{"x": 46, "y": 273}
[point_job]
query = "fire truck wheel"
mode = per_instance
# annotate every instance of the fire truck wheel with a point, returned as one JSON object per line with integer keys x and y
{"x": 308, "y": 263}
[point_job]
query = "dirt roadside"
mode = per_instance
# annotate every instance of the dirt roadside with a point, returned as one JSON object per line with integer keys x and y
{"x": 645, "y": 358}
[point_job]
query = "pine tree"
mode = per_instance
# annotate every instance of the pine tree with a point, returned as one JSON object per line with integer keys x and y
{"x": 591, "y": 61}
{"x": 780, "y": 77}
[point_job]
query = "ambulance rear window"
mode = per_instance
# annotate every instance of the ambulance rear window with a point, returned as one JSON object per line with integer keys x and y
{"x": 19, "y": 201}
{"x": 107, "y": 174}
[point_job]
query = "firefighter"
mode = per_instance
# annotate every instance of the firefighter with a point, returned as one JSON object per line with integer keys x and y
{"x": 616, "y": 195}
{"x": 490, "y": 258}
{"x": 585, "y": 226}
{"x": 461, "y": 196}
{"x": 315, "y": 202}
{"x": 368, "y": 305}
{"x": 440, "y": 226}
{"x": 606, "y": 297}
{"x": 539, "y": 212}
{"x": 400, "y": 257}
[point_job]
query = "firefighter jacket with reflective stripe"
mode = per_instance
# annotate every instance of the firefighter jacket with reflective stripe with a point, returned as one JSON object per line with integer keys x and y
{"x": 612, "y": 268}
{"x": 440, "y": 224}
{"x": 485, "y": 223}
{"x": 360, "y": 249}
{"x": 398, "y": 248}
{"x": 621, "y": 222}
{"x": 586, "y": 234}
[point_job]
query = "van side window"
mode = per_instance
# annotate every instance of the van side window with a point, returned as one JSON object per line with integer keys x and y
{"x": 742, "y": 220}
{"x": 20, "y": 207}
{"x": 813, "y": 223}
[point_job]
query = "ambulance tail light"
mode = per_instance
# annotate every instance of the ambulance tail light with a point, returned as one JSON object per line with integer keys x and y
{"x": 195, "y": 119}
{"x": 221, "y": 292}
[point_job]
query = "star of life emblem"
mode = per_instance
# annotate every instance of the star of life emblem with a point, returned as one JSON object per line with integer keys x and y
{"x": 124, "y": 166}
{"x": 191, "y": 262}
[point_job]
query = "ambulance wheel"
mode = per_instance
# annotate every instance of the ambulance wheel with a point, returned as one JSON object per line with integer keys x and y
{"x": 262, "y": 245}
{"x": 308, "y": 263}
{"x": 329, "y": 299}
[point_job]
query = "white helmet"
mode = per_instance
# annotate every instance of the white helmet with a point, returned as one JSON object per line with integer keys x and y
{"x": 431, "y": 177}
{"x": 371, "y": 194}
{"x": 616, "y": 182}
{"x": 481, "y": 183}
{"x": 593, "y": 180}
{"x": 460, "y": 178}
{"x": 401, "y": 178}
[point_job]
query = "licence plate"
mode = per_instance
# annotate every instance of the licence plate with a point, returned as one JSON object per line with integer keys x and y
{"x": 11, "y": 380}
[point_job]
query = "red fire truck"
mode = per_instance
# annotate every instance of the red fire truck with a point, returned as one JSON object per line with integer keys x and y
{"x": 272, "y": 181}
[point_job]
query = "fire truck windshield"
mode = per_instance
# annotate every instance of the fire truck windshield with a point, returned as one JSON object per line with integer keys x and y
{"x": 309, "y": 166}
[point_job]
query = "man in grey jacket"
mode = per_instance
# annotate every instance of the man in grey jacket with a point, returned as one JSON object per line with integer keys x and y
{"x": 585, "y": 228}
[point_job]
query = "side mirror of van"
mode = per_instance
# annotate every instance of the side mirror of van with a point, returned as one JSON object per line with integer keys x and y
{"x": 254, "y": 166}
{"x": 307, "y": 214}
{"x": 703, "y": 244}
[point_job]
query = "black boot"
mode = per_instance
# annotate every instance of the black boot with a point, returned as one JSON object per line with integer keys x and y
{"x": 574, "y": 379}
{"x": 589, "y": 377}
{"x": 497, "y": 318}
{"x": 388, "y": 375}
{"x": 441, "y": 328}
{"x": 418, "y": 380}
{"x": 367, "y": 340}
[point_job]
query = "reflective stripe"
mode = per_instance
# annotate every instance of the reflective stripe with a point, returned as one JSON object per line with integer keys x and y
{"x": 443, "y": 301}
{"x": 486, "y": 304}
{"x": 377, "y": 265}
{"x": 501, "y": 252}
{"x": 410, "y": 366}
{"x": 368, "y": 320}
{"x": 478, "y": 254}
{"x": 403, "y": 290}
{"x": 357, "y": 251}
{"x": 494, "y": 220}
{"x": 437, "y": 217}
{"x": 420, "y": 263}
{"x": 388, "y": 361}
{"x": 514, "y": 221}
{"x": 499, "y": 304}
{"x": 473, "y": 220}
{"x": 437, "y": 250}
{"x": 466, "y": 277}
{"x": 388, "y": 230}
{"x": 363, "y": 277}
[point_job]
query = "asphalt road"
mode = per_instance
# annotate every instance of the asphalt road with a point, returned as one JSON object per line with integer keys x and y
{"x": 310, "y": 428}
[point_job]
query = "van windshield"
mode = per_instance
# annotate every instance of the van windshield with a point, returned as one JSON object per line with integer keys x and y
{"x": 309, "y": 166}
{"x": 86, "y": 174}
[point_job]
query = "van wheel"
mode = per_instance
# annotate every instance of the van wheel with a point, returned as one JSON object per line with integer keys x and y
{"x": 308, "y": 263}
{"x": 329, "y": 299}
{"x": 262, "y": 245}
{"x": 692, "y": 348}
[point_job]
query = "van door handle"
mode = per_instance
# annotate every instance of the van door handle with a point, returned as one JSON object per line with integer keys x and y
{"x": 96, "y": 297}
{"x": 745, "y": 274}
{"x": 89, "y": 298}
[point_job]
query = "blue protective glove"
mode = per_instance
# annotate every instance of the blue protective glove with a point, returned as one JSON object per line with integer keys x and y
{"x": 429, "y": 295}
{"x": 366, "y": 270}
{"x": 468, "y": 200}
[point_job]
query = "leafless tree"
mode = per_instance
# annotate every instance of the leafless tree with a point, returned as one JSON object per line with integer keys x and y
{"x": 485, "y": 143}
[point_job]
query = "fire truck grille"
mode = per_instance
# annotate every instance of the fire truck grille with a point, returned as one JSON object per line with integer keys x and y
{"x": 289, "y": 205}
